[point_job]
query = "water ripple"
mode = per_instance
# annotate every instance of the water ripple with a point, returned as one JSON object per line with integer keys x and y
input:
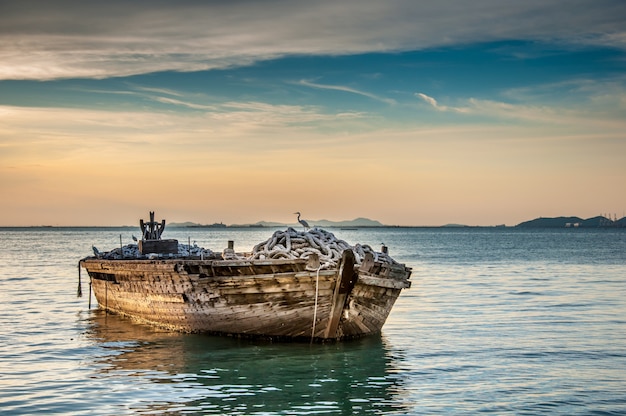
{"x": 497, "y": 321}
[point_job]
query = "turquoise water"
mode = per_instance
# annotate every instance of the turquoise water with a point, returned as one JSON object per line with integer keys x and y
{"x": 500, "y": 321}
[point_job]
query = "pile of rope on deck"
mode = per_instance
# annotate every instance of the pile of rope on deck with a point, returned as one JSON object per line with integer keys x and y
{"x": 131, "y": 251}
{"x": 293, "y": 244}
{"x": 289, "y": 244}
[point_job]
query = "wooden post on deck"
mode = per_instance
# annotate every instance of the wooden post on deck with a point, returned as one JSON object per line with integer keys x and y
{"x": 152, "y": 230}
{"x": 151, "y": 238}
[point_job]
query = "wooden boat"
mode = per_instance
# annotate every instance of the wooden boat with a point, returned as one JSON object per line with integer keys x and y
{"x": 281, "y": 299}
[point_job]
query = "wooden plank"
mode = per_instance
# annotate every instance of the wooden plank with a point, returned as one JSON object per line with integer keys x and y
{"x": 345, "y": 283}
{"x": 385, "y": 282}
{"x": 232, "y": 297}
{"x": 158, "y": 246}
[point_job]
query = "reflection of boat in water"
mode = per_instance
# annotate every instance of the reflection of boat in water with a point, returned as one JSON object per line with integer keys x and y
{"x": 218, "y": 373}
{"x": 294, "y": 285}
{"x": 136, "y": 347}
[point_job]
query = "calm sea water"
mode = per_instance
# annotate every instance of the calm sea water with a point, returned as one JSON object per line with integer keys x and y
{"x": 501, "y": 321}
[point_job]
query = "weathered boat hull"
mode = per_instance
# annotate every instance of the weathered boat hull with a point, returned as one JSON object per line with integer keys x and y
{"x": 279, "y": 299}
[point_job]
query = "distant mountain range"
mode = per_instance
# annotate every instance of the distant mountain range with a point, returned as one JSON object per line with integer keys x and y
{"x": 573, "y": 222}
{"x": 555, "y": 222}
{"x": 357, "y": 222}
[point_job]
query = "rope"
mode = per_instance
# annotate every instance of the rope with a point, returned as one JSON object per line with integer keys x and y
{"x": 292, "y": 244}
{"x": 288, "y": 244}
{"x": 131, "y": 251}
{"x": 79, "y": 292}
{"x": 317, "y": 285}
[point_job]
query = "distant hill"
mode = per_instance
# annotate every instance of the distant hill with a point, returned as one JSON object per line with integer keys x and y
{"x": 572, "y": 222}
{"x": 261, "y": 224}
{"x": 557, "y": 222}
{"x": 188, "y": 224}
{"x": 357, "y": 222}
{"x": 554, "y": 222}
{"x": 182, "y": 224}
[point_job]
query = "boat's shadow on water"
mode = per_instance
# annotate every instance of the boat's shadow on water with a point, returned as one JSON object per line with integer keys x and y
{"x": 227, "y": 375}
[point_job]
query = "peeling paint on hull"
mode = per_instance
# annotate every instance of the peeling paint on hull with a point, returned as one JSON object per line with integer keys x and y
{"x": 276, "y": 299}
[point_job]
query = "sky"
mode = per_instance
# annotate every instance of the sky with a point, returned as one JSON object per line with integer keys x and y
{"x": 408, "y": 112}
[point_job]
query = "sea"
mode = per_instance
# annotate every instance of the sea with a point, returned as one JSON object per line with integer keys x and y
{"x": 503, "y": 321}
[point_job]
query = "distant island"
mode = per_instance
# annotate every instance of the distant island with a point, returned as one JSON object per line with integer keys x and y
{"x": 189, "y": 224}
{"x": 358, "y": 223}
{"x": 355, "y": 223}
{"x": 542, "y": 222}
{"x": 574, "y": 222}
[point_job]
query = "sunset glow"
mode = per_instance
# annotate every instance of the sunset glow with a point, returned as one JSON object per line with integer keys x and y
{"x": 410, "y": 113}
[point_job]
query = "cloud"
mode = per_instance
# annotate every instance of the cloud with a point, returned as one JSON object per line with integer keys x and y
{"x": 429, "y": 100}
{"x": 603, "y": 115}
{"x": 68, "y": 39}
{"x": 194, "y": 106}
{"x": 164, "y": 91}
{"x": 60, "y": 133}
{"x": 433, "y": 103}
{"x": 345, "y": 89}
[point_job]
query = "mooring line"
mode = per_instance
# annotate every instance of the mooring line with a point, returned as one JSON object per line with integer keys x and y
{"x": 79, "y": 292}
{"x": 317, "y": 285}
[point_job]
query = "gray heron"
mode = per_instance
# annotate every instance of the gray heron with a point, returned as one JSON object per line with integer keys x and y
{"x": 303, "y": 222}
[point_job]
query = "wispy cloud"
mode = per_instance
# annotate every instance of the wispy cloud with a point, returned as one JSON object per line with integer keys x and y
{"x": 346, "y": 89}
{"x": 160, "y": 95}
{"x": 68, "y": 39}
{"x": 164, "y": 91}
{"x": 433, "y": 103}
{"x": 194, "y": 106}
{"x": 603, "y": 116}
{"x": 607, "y": 95}
{"x": 234, "y": 135}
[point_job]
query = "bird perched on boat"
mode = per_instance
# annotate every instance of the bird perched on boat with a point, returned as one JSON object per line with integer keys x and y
{"x": 303, "y": 222}
{"x": 95, "y": 251}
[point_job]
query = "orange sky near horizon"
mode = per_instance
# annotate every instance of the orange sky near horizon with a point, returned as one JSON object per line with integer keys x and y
{"x": 409, "y": 113}
{"x": 111, "y": 175}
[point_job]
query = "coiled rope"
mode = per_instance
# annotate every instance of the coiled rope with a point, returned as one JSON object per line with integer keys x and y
{"x": 131, "y": 251}
{"x": 292, "y": 244}
{"x": 287, "y": 244}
